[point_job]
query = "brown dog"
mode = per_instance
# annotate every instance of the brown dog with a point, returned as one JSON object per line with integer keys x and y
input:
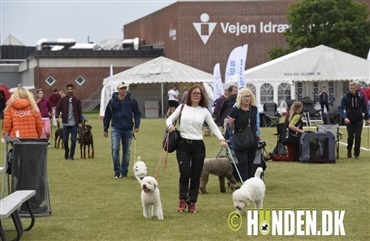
{"x": 58, "y": 138}
{"x": 86, "y": 140}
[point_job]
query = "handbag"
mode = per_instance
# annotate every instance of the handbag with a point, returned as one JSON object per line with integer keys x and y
{"x": 171, "y": 140}
{"x": 244, "y": 139}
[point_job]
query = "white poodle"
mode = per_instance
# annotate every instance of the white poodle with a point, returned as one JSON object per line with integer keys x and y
{"x": 252, "y": 191}
{"x": 140, "y": 169}
{"x": 150, "y": 198}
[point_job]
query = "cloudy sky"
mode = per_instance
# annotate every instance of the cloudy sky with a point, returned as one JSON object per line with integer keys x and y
{"x": 31, "y": 20}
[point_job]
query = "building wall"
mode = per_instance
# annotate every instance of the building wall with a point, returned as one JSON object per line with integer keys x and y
{"x": 236, "y": 24}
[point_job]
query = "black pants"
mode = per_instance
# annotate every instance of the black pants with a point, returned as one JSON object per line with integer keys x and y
{"x": 245, "y": 161}
{"x": 354, "y": 130}
{"x": 326, "y": 104}
{"x": 190, "y": 157}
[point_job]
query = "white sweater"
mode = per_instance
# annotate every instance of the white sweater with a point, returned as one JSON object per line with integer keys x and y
{"x": 191, "y": 124}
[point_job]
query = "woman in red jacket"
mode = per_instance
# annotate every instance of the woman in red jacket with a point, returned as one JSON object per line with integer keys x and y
{"x": 22, "y": 118}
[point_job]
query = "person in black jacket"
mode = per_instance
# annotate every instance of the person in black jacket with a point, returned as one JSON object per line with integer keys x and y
{"x": 324, "y": 99}
{"x": 351, "y": 109}
{"x": 122, "y": 109}
{"x": 71, "y": 109}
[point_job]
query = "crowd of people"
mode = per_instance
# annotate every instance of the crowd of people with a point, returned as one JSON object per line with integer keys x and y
{"x": 25, "y": 116}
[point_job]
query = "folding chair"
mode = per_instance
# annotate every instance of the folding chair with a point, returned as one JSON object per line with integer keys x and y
{"x": 271, "y": 116}
{"x": 310, "y": 114}
{"x": 334, "y": 129}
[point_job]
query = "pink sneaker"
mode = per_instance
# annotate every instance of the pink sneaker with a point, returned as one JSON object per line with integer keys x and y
{"x": 192, "y": 208}
{"x": 182, "y": 206}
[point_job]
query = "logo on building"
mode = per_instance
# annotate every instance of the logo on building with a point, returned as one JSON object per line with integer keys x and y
{"x": 278, "y": 222}
{"x": 204, "y": 28}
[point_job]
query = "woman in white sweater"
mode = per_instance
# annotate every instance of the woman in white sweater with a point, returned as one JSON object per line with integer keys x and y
{"x": 191, "y": 151}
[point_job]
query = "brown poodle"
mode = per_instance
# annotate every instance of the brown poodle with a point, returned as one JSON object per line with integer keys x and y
{"x": 221, "y": 167}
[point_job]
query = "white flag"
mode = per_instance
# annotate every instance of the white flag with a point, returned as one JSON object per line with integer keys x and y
{"x": 111, "y": 82}
{"x": 232, "y": 63}
{"x": 217, "y": 82}
{"x": 241, "y": 67}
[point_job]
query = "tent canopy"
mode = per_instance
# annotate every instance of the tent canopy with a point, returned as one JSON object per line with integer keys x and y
{"x": 160, "y": 70}
{"x": 320, "y": 63}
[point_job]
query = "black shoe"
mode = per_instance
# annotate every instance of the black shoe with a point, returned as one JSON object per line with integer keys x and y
{"x": 66, "y": 155}
{"x": 271, "y": 156}
{"x": 349, "y": 155}
{"x": 71, "y": 158}
{"x": 356, "y": 157}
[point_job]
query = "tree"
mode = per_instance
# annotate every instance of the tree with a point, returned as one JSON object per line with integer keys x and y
{"x": 340, "y": 24}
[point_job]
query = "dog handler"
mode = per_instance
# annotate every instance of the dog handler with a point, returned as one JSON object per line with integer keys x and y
{"x": 191, "y": 151}
{"x": 122, "y": 109}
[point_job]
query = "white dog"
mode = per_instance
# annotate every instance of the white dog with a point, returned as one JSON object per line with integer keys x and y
{"x": 150, "y": 198}
{"x": 252, "y": 191}
{"x": 140, "y": 169}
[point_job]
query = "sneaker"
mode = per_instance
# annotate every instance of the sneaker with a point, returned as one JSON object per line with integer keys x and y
{"x": 116, "y": 176}
{"x": 182, "y": 206}
{"x": 356, "y": 157}
{"x": 349, "y": 155}
{"x": 123, "y": 175}
{"x": 192, "y": 208}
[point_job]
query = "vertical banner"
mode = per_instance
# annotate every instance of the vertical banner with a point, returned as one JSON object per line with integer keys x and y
{"x": 232, "y": 63}
{"x": 241, "y": 67}
{"x": 217, "y": 82}
{"x": 111, "y": 82}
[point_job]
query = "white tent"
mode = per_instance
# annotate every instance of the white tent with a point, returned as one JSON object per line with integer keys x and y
{"x": 318, "y": 64}
{"x": 157, "y": 71}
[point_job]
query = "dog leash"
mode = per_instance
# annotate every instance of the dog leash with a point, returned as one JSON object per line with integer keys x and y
{"x": 134, "y": 136}
{"x": 160, "y": 159}
{"x": 230, "y": 156}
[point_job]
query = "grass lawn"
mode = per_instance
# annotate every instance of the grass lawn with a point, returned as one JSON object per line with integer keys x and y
{"x": 88, "y": 204}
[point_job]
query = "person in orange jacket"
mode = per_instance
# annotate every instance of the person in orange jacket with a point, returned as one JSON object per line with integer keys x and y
{"x": 22, "y": 118}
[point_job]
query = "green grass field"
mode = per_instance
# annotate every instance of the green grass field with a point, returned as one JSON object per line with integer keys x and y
{"x": 88, "y": 204}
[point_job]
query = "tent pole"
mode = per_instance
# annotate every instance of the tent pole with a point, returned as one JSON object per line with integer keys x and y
{"x": 162, "y": 99}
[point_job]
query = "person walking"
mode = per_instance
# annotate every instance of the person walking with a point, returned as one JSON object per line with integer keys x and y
{"x": 22, "y": 117}
{"x": 351, "y": 108}
{"x": 191, "y": 150}
{"x": 226, "y": 105}
{"x": 54, "y": 98}
{"x": 245, "y": 113}
{"x": 291, "y": 134}
{"x": 173, "y": 100}
{"x": 184, "y": 95}
{"x": 124, "y": 114}
{"x": 46, "y": 112}
{"x": 71, "y": 109}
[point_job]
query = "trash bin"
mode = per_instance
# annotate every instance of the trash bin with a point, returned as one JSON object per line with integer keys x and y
{"x": 29, "y": 172}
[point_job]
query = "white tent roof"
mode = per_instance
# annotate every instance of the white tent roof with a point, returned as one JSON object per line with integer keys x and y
{"x": 161, "y": 70}
{"x": 312, "y": 64}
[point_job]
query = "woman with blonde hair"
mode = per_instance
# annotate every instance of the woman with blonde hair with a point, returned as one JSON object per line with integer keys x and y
{"x": 291, "y": 137}
{"x": 243, "y": 114}
{"x": 22, "y": 118}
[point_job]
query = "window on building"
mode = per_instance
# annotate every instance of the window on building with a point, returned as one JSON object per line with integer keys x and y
{"x": 50, "y": 80}
{"x": 252, "y": 88}
{"x": 80, "y": 80}
{"x": 284, "y": 92}
{"x": 267, "y": 93}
